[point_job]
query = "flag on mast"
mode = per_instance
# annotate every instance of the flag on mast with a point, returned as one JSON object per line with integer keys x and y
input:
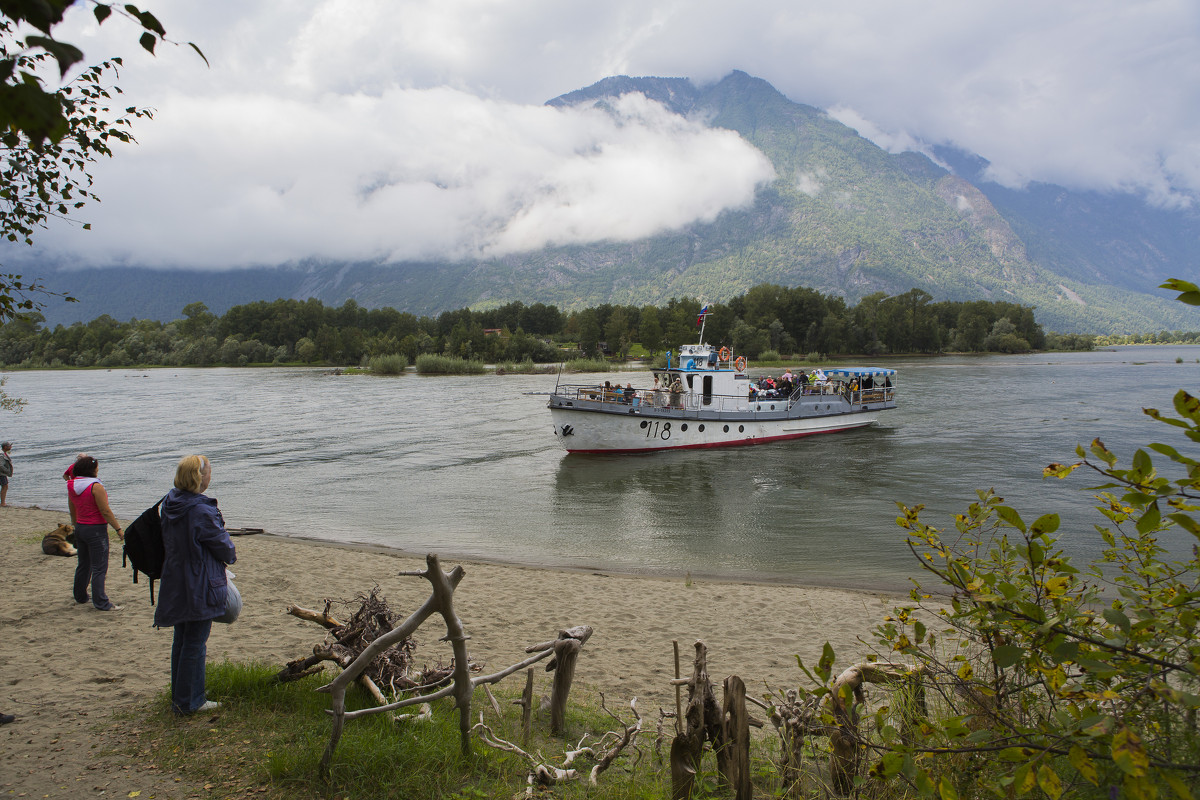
{"x": 703, "y": 314}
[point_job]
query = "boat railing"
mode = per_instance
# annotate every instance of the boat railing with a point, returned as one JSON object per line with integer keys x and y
{"x": 664, "y": 399}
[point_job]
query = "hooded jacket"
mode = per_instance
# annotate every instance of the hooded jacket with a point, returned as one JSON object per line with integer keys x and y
{"x": 196, "y": 549}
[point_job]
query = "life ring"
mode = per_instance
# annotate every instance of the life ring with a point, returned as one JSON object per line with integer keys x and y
{"x": 724, "y": 354}
{"x": 740, "y": 364}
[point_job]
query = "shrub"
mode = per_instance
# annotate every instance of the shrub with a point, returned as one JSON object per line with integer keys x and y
{"x": 393, "y": 364}
{"x": 430, "y": 364}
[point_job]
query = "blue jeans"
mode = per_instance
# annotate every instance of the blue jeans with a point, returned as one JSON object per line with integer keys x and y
{"x": 188, "y": 649}
{"x": 92, "y": 543}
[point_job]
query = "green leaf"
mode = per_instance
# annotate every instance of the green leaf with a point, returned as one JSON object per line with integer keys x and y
{"x": 1006, "y": 655}
{"x": 67, "y": 55}
{"x": 148, "y": 41}
{"x": 1117, "y": 617}
{"x": 1010, "y": 515}
{"x": 1067, "y": 651}
{"x": 824, "y": 667}
{"x": 1150, "y": 520}
{"x": 1047, "y": 523}
{"x": 200, "y": 53}
{"x": 946, "y": 789}
{"x": 102, "y": 12}
{"x": 1188, "y": 292}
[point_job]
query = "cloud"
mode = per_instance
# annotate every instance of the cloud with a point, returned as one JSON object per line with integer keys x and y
{"x": 414, "y": 128}
{"x": 409, "y": 174}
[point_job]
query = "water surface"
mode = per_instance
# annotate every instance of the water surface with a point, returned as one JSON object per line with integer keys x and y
{"x": 469, "y": 467}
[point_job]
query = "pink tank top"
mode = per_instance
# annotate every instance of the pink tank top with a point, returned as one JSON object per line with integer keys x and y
{"x": 86, "y": 510}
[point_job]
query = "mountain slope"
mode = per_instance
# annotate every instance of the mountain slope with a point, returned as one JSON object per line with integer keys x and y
{"x": 842, "y": 216}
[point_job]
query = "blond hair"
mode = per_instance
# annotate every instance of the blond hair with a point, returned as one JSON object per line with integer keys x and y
{"x": 189, "y": 475}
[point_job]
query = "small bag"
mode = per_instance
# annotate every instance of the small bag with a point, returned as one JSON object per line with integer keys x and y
{"x": 233, "y": 601}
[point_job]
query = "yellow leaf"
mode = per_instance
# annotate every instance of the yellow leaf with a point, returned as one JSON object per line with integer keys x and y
{"x": 1026, "y": 779}
{"x": 1048, "y": 780}
{"x": 1129, "y": 754}
{"x": 1181, "y": 789}
{"x": 946, "y": 789}
{"x": 1083, "y": 765}
{"x": 966, "y": 671}
{"x": 135, "y": 793}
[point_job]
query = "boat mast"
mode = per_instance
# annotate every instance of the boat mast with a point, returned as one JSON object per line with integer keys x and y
{"x": 700, "y": 320}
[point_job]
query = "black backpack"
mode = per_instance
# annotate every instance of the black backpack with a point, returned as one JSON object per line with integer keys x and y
{"x": 144, "y": 546}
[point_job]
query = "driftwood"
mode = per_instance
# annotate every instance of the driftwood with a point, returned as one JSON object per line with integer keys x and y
{"x": 737, "y": 738}
{"x": 798, "y": 718}
{"x": 845, "y": 741}
{"x": 461, "y": 684}
{"x": 611, "y": 745}
{"x": 526, "y": 704}
{"x": 703, "y": 720}
{"x": 393, "y": 668}
{"x": 440, "y": 601}
{"x": 566, "y": 650}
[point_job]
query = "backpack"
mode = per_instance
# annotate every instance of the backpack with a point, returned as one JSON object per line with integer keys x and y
{"x": 144, "y": 546}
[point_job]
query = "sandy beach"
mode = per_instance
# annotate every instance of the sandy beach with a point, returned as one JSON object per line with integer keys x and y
{"x": 72, "y": 675}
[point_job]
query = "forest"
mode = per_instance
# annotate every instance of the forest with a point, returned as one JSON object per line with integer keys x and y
{"x": 766, "y": 320}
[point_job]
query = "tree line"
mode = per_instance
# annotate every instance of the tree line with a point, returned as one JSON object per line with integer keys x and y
{"x": 766, "y": 319}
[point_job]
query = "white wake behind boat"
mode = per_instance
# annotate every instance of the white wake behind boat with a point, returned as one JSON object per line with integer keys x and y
{"x": 705, "y": 400}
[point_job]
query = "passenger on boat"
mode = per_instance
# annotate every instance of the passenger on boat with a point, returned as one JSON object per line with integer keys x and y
{"x": 631, "y": 394}
{"x": 677, "y": 393}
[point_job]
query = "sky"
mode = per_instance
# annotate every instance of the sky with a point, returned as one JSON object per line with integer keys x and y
{"x": 416, "y": 129}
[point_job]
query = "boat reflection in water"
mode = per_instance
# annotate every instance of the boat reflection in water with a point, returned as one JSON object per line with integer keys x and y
{"x": 738, "y": 509}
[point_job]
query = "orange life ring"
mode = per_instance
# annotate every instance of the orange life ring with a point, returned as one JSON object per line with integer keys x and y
{"x": 740, "y": 364}
{"x": 724, "y": 354}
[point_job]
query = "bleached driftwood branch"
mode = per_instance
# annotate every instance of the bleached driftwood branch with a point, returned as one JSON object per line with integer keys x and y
{"x": 542, "y": 773}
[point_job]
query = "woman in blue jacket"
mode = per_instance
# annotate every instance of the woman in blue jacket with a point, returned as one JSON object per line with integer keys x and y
{"x": 193, "y": 590}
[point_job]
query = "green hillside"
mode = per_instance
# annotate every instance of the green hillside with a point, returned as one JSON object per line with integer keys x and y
{"x": 842, "y": 216}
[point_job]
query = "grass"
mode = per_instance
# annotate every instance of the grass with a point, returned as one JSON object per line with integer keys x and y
{"x": 588, "y": 365}
{"x": 526, "y": 367}
{"x": 268, "y": 738}
{"x": 429, "y": 364}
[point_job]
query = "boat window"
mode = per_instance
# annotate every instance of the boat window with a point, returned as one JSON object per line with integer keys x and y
{"x": 708, "y": 390}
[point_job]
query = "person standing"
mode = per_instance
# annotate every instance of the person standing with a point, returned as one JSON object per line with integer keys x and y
{"x": 6, "y": 471}
{"x": 193, "y": 589}
{"x": 87, "y": 500}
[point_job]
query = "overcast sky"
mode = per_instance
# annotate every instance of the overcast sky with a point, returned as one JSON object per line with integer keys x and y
{"x": 408, "y": 129}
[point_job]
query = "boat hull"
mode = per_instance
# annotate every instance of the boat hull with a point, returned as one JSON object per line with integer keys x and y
{"x": 595, "y": 431}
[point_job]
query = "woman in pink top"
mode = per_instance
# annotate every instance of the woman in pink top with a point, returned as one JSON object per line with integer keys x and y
{"x": 88, "y": 502}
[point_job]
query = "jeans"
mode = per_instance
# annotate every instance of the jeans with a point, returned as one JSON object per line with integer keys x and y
{"x": 92, "y": 543}
{"x": 188, "y": 649}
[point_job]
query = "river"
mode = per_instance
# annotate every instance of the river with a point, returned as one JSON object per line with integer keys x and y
{"x": 469, "y": 466}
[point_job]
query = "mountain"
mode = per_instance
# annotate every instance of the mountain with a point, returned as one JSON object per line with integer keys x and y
{"x": 842, "y": 216}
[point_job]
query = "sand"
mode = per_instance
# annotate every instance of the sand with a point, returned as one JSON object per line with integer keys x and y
{"x": 72, "y": 674}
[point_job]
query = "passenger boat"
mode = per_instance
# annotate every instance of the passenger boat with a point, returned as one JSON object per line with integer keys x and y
{"x": 705, "y": 400}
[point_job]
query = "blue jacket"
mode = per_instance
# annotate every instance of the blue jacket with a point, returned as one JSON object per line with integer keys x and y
{"x": 196, "y": 549}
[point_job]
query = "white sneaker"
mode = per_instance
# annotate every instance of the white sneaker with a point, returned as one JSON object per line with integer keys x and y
{"x": 209, "y": 705}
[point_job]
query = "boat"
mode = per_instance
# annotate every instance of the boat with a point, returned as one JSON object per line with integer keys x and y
{"x": 708, "y": 399}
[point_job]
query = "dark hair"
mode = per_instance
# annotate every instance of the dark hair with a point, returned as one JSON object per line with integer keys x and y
{"x": 85, "y": 467}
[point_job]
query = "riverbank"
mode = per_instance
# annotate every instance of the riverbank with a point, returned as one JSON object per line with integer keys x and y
{"x": 77, "y": 678}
